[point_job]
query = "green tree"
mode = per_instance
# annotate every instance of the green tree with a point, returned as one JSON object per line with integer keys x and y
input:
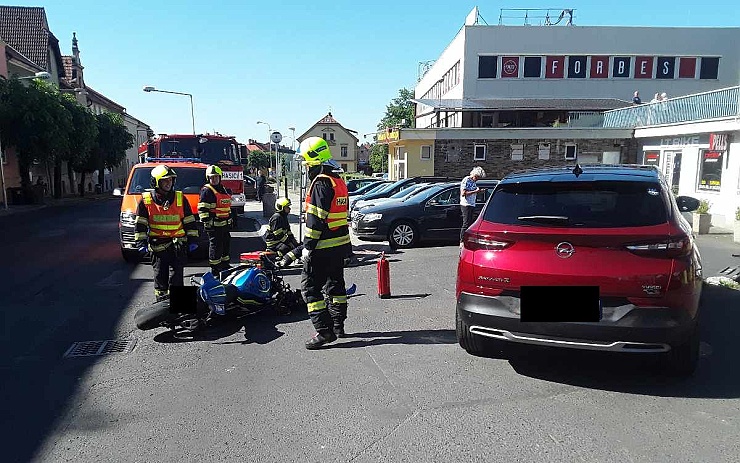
{"x": 379, "y": 157}
{"x": 258, "y": 159}
{"x": 81, "y": 140}
{"x": 35, "y": 122}
{"x": 399, "y": 109}
{"x": 109, "y": 149}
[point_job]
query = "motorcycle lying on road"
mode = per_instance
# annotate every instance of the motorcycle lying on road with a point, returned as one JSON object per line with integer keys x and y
{"x": 256, "y": 284}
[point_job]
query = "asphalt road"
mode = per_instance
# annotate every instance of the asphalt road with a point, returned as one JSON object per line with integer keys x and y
{"x": 398, "y": 389}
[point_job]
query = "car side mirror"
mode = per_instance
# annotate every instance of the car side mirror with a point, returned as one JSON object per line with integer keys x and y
{"x": 687, "y": 203}
{"x": 118, "y": 192}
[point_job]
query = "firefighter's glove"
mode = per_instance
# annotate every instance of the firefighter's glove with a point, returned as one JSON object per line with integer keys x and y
{"x": 192, "y": 247}
{"x": 305, "y": 254}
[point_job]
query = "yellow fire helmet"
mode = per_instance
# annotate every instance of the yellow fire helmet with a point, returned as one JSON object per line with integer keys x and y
{"x": 214, "y": 170}
{"x": 160, "y": 172}
{"x": 281, "y": 204}
{"x": 314, "y": 151}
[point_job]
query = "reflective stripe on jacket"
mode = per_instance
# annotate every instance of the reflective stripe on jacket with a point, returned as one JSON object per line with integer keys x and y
{"x": 165, "y": 221}
{"x": 326, "y": 213}
{"x": 217, "y": 211}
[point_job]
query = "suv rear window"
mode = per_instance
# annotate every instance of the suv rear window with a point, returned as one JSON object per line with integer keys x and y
{"x": 606, "y": 204}
{"x": 189, "y": 179}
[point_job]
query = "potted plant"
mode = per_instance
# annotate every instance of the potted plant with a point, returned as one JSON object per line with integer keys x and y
{"x": 702, "y": 219}
{"x": 736, "y": 234}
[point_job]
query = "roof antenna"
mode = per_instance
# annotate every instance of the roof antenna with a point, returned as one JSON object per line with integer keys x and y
{"x": 577, "y": 171}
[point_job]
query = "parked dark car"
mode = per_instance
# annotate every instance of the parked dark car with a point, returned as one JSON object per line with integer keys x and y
{"x": 395, "y": 187}
{"x": 432, "y": 214}
{"x": 368, "y": 188}
{"x": 594, "y": 258}
{"x": 357, "y": 183}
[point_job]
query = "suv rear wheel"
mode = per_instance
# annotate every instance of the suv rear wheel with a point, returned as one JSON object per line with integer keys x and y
{"x": 467, "y": 340}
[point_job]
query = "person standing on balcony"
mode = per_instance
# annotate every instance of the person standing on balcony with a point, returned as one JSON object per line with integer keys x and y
{"x": 636, "y": 98}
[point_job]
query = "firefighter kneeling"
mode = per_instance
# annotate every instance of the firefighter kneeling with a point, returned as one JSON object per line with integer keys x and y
{"x": 326, "y": 244}
{"x": 279, "y": 238}
{"x": 214, "y": 210}
{"x": 164, "y": 222}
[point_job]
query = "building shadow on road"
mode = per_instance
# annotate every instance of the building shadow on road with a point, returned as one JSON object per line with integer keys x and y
{"x": 376, "y": 338}
{"x": 716, "y": 376}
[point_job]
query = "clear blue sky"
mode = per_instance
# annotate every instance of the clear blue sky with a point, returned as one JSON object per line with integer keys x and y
{"x": 288, "y": 62}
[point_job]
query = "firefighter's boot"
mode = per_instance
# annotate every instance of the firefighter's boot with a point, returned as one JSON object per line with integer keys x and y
{"x": 319, "y": 340}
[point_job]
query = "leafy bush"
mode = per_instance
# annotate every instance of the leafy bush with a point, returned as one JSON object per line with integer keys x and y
{"x": 703, "y": 207}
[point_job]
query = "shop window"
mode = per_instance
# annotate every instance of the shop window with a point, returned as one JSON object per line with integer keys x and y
{"x": 710, "y": 170}
{"x": 479, "y": 153}
{"x": 426, "y": 152}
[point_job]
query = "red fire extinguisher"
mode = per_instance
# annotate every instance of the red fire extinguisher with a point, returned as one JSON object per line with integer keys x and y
{"x": 384, "y": 277}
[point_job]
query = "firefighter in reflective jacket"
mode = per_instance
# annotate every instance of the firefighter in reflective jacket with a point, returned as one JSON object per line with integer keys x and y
{"x": 326, "y": 244}
{"x": 279, "y": 237}
{"x": 164, "y": 224}
{"x": 214, "y": 210}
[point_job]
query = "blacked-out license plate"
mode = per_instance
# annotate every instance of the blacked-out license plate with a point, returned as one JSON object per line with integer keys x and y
{"x": 560, "y": 304}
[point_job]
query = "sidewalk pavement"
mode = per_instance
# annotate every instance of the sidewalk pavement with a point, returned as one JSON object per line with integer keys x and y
{"x": 52, "y": 202}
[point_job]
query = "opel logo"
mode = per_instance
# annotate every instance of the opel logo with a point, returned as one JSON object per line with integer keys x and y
{"x": 564, "y": 249}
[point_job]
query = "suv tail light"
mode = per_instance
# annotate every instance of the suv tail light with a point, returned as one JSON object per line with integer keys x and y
{"x": 475, "y": 241}
{"x": 675, "y": 246}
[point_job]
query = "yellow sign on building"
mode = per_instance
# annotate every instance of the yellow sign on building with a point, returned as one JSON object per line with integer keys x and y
{"x": 388, "y": 136}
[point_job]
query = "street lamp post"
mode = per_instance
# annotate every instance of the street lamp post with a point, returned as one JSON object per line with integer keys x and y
{"x": 192, "y": 110}
{"x": 269, "y": 144}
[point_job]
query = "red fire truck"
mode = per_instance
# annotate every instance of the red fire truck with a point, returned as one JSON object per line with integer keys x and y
{"x": 206, "y": 148}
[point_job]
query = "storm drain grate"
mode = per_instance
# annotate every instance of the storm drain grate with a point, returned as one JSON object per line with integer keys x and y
{"x": 91, "y": 348}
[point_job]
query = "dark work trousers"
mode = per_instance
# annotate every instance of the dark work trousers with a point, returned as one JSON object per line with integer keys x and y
{"x": 219, "y": 246}
{"x": 467, "y": 219}
{"x": 287, "y": 246}
{"x": 168, "y": 266}
{"x": 322, "y": 281}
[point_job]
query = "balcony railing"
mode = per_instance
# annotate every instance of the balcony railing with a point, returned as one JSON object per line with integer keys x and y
{"x": 717, "y": 104}
{"x": 585, "y": 119}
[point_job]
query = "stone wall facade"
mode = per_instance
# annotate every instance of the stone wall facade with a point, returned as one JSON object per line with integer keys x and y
{"x": 454, "y": 158}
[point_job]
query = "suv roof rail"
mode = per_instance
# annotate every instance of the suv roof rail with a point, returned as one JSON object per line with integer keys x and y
{"x": 534, "y": 170}
{"x": 173, "y": 160}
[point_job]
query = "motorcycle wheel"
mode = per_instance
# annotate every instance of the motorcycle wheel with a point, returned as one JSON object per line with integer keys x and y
{"x": 153, "y": 316}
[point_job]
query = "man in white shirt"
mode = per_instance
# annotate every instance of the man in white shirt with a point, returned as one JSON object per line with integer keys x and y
{"x": 468, "y": 191}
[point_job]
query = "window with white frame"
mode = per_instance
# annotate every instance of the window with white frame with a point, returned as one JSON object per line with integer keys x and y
{"x": 571, "y": 151}
{"x": 426, "y": 152}
{"x": 543, "y": 151}
{"x": 344, "y": 151}
{"x": 517, "y": 152}
{"x": 479, "y": 152}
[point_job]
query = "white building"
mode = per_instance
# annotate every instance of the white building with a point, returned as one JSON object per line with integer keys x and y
{"x": 518, "y": 76}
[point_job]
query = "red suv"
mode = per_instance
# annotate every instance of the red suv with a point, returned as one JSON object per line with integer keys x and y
{"x": 591, "y": 257}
